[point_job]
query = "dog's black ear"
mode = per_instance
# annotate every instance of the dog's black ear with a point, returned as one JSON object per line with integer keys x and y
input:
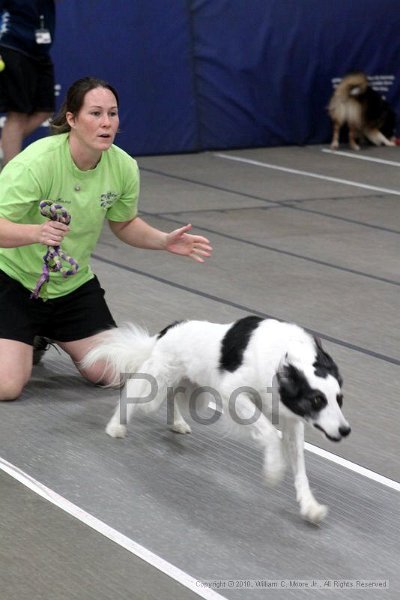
{"x": 318, "y": 342}
{"x": 290, "y": 380}
{"x": 324, "y": 364}
{"x": 293, "y": 389}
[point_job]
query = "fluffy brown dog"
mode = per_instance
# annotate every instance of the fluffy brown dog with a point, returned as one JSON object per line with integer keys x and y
{"x": 363, "y": 110}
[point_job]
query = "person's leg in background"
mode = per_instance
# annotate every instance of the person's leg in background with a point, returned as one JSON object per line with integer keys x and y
{"x": 16, "y": 128}
{"x": 26, "y": 96}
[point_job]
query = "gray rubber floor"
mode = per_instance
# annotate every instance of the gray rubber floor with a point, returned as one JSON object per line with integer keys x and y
{"x": 300, "y": 234}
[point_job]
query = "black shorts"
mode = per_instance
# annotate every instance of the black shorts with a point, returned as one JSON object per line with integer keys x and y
{"x": 75, "y": 316}
{"x": 26, "y": 84}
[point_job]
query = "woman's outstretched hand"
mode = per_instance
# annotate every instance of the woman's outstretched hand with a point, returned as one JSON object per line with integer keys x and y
{"x": 181, "y": 242}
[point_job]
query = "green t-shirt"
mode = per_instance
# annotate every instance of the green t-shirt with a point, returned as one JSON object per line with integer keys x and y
{"x": 46, "y": 171}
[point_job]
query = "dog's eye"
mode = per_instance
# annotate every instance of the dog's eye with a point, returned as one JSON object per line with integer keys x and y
{"x": 318, "y": 402}
{"x": 339, "y": 399}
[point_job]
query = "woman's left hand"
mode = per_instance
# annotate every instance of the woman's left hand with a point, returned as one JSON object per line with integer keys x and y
{"x": 185, "y": 244}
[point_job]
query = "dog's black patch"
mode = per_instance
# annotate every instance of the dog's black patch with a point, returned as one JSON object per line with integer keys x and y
{"x": 167, "y": 328}
{"x": 324, "y": 365}
{"x": 297, "y": 394}
{"x": 378, "y": 112}
{"x": 235, "y": 343}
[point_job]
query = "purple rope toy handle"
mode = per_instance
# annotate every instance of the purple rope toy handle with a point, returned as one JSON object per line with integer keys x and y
{"x": 55, "y": 256}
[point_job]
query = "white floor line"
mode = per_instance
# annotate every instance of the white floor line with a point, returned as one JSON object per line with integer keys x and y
{"x": 382, "y": 161}
{"x": 394, "y": 485}
{"x": 258, "y": 163}
{"x": 343, "y": 462}
{"x": 112, "y": 534}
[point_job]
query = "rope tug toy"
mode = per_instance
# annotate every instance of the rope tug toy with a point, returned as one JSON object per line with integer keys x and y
{"x": 55, "y": 256}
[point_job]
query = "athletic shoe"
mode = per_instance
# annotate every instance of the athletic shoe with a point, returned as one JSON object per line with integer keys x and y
{"x": 40, "y": 345}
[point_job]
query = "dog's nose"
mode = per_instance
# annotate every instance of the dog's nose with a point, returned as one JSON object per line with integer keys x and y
{"x": 344, "y": 431}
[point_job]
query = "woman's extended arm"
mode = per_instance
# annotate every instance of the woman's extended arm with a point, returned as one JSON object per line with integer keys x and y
{"x": 140, "y": 234}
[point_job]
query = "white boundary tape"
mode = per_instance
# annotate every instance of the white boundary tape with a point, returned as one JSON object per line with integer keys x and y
{"x": 258, "y": 163}
{"x": 394, "y": 485}
{"x": 382, "y": 161}
{"x": 110, "y": 533}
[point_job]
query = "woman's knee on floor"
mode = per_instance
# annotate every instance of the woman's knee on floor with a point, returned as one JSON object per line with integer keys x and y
{"x": 11, "y": 389}
{"x": 15, "y": 368}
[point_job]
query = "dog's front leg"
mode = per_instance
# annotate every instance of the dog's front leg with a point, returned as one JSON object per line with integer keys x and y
{"x": 293, "y": 440}
{"x": 376, "y": 137}
{"x": 261, "y": 430}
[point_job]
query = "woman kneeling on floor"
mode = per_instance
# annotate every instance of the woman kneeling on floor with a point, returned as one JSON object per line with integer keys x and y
{"x": 82, "y": 174}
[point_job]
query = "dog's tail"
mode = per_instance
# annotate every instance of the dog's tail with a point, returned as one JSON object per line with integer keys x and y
{"x": 352, "y": 85}
{"x": 122, "y": 350}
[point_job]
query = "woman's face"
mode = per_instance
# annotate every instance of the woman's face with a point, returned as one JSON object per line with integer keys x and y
{"x": 96, "y": 124}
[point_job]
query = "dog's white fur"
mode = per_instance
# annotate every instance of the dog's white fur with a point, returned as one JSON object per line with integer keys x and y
{"x": 191, "y": 352}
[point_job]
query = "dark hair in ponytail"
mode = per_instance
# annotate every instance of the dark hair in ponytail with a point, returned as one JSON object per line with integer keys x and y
{"x": 75, "y": 99}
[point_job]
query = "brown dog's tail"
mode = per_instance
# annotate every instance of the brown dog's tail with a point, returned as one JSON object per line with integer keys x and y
{"x": 352, "y": 85}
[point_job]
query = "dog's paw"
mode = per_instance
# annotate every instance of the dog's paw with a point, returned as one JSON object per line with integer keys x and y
{"x": 335, "y": 146}
{"x": 181, "y": 427}
{"x": 116, "y": 430}
{"x": 314, "y": 512}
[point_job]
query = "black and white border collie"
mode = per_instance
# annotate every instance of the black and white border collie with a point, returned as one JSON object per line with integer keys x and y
{"x": 265, "y": 365}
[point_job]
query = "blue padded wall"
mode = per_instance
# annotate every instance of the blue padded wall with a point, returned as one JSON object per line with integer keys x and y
{"x": 144, "y": 49}
{"x": 212, "y": 74}
{"x": 265, "y": 67}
